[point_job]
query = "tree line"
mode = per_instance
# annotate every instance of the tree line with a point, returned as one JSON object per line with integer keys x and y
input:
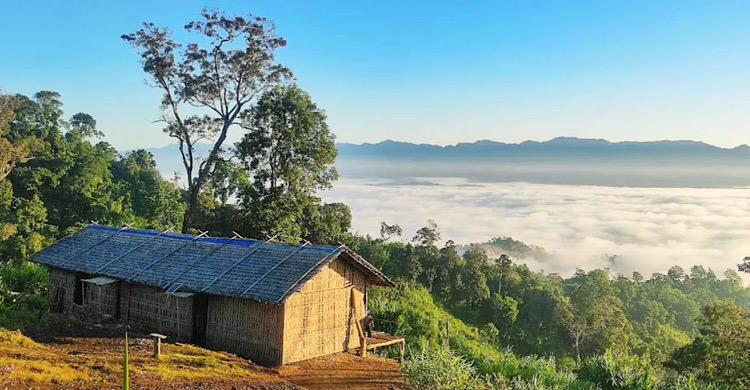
{"x": 689, "y": 322}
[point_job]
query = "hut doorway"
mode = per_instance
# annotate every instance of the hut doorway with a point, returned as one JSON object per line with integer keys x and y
{"x": 78, "y": 290}
{"x": 200, "y": 319}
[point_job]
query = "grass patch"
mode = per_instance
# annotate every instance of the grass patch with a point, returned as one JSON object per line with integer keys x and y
{"x": 16, "y": 338}
{"x": 39, "y": 371}
{"x": 189, "y": 362}
{"x": 25, "y": 363}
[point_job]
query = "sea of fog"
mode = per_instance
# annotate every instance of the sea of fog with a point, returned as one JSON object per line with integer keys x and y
{"x": 649, "y": 228}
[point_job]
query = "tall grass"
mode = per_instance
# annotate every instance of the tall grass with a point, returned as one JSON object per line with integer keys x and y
{"x": 440, "y": 369}
{"x": 126, "y": 367}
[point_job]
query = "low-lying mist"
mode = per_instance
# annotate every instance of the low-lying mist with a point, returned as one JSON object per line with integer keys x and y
{"x": 649, "y": 229}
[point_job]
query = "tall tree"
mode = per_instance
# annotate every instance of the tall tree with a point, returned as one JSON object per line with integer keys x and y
{"x": 220, "y": 78}
{"x": 474, "y": 279}
{"x": 745, "y": 266}
{"x": 503, "y": 263}
{"x": 10, "y": 152}
{"x": 721, "y": 352}
{"x": 288, "y": 151}
{"x": 595, "y": 320}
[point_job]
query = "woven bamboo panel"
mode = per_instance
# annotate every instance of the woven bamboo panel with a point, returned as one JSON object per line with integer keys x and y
{"x": 250, "y": 329}
{"x": 151, "y": 310}
{"x": 320, "y": 319}
{"x": 61, "y": 289}
{"x": 102, "y": 298}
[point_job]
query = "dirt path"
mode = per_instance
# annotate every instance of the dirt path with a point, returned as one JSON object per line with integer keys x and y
{"x": 344, "y": 371}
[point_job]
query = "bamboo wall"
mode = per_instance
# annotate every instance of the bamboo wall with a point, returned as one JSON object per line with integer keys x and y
{"x": 320, "y": 319}
{"x": 101, "y": 297}
{"x": 61, "y": 289}
{"x": 151, "y": 310}
{"x": 250, "y": 329}
{"x": 317, "y": 320}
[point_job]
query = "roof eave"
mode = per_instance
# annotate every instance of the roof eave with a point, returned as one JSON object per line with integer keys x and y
{"x": 380, "y": 278}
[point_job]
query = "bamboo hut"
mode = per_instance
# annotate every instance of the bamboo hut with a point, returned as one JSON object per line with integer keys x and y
{"x": 274, "y": 303}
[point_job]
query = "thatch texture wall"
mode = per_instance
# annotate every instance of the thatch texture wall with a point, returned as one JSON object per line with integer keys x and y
{"x": 250, "y": 329}
{"x": 151, "y": 310}
{"x": 62, "y": 285}
{"x": 103, "y": 298}
{"x": 320, "y": 319}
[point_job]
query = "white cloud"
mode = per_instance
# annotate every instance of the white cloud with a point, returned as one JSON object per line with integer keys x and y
{"x": 650, "y": 228}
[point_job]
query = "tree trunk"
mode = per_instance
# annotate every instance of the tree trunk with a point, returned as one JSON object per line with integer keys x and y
{"x": 192, "y": 203}
{"x": 578, "y": 351}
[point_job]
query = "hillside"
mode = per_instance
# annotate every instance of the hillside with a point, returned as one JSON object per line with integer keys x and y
{"x": 513, "y": 248}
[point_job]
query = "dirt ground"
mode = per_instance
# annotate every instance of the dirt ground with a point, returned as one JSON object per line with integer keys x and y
{"x": 95, "y": 363}
{"x": 344, "y": 371}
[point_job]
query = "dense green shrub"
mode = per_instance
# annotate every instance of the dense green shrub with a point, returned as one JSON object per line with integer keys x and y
{"x": 22, "y": 277}
{"x": 613, "y": 371}
{"x": 440, "y": 369}
{"x": 22, "y": 286}
{"x": 689, "y": 383}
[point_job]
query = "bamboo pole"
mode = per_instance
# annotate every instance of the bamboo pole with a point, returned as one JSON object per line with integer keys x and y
{"x": 357, "y": 319}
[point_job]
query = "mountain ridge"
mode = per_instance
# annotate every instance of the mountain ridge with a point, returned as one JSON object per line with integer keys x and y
{"x": 562, "y": 147}
{"x": 562, "y": 160}
{"x": 555, "y": 140}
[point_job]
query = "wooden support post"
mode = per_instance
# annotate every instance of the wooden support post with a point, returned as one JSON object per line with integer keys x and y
{"x": 401, "y": 347}
{"x": 358, "y": 322}
{"x": 157, "y": 343}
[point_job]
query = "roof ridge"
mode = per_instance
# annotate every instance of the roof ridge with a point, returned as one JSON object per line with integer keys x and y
{"x": 219, "y": 240}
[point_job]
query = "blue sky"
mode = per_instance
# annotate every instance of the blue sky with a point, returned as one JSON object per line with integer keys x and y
{"x": 427, "y": 71}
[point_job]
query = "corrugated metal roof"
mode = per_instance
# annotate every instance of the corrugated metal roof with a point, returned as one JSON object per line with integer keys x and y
{"x": 263, "y": 271}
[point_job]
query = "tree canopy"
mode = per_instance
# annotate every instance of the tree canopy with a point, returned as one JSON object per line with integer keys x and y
{"x": 220, "y": 75}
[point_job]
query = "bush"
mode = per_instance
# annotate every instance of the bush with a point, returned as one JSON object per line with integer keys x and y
{"x": 23, "y": 277}
{"x": 613, "y": 371}
{"x": 22, "y": 286}
{"x": 440, "y": 369}
{"x": 690, "y": 383}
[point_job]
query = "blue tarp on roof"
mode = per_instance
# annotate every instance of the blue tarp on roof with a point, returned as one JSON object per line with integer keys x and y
{"x": 267, "y": 272}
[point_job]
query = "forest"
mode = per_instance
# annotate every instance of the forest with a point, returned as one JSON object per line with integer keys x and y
{"x": 510, "y": 327}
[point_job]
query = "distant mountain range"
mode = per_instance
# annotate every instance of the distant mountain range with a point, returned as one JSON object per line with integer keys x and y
{"x": 561, "y": 147}
{"x": 563, "y": 160}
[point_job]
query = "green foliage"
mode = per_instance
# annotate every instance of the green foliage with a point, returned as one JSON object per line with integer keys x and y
{"x": 149, "y": 200}
{"x": 221, "y": 74}
{"x": 615, "y": 371}
{"x": 23, "y": 277}
{"x": 289, "y": 152}
{"x": 721, "y": 351}
{"x": 623, "y": 327}
{"x": 440, "y": 369}
{"x": 22, "y": 288}
{"x": 67, "y": 181}
{"x": 594, "y": 317}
